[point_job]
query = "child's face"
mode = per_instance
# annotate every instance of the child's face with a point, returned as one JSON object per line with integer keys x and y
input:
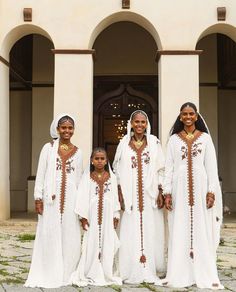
{"x": 99, "y": 160}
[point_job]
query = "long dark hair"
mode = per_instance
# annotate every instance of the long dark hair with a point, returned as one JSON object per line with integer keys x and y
{"x": 179, "y": 126}
{"x": 95, "y": 150}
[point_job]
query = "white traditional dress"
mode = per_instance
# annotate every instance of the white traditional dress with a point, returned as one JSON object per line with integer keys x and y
{"x": 57, "y": 244}
{"x": 194, "y": 230}
{"x": 139, "y": 172}
{"x": 97, "y": 201}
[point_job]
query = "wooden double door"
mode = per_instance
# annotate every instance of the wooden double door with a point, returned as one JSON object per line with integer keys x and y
{"x": 115, "y": 98}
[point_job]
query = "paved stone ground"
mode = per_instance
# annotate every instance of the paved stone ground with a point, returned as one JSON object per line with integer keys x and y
{"x": 16, "y": 242}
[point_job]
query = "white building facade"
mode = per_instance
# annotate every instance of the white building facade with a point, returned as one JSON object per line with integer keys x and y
{"x": 99, "y": 60}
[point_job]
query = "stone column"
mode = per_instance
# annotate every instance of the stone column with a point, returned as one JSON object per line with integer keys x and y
{"x": 73, "y": 93}
{"x": 178, "y": 83}
{"x": 4, "y": 153}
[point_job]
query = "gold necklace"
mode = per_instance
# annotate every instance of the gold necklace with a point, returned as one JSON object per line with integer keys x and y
{"x": 190, "y": 135}
{"x": 100, "y": 175}
{"x": 138, "y": 142}
{"x": 65, "y": 147}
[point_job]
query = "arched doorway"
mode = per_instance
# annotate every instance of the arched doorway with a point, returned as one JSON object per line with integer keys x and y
{"x": 112, "y": 110}
{"x": 125, "y": 79}
{"x": 218, "y": 103}
{"x": 31, "y": 111}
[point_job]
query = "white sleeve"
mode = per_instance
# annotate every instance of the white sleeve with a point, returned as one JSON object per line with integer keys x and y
{"x": 211, "y": 166}
{"x": 83, "y": 197}
{"x": 79, "y": 167}
{"x": 41, "y": 171}
{"x": 116, "y": 203}
{"x": 169, "y": 168}
{"x": 161, "y": 164}
{"x": 116, "y": 164}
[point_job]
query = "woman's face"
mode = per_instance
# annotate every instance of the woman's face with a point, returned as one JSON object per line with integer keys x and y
{"x": 188, "y": 116}
{"x": 99, "y": 160}
{"x": 66, "y": 130}
{"x": 139, "y": 123}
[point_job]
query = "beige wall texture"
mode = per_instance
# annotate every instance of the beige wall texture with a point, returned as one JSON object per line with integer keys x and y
{"x": 176, "y": 26}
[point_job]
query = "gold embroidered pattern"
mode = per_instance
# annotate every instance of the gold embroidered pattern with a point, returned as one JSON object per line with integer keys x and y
{"x": 140, "y": 194}
{"x": 102, "y": 187}
{"x": 191, "y": 151}
{"x": 62, "y": 164}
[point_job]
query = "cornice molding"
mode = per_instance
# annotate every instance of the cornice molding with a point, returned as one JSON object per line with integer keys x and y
{"x": 159, "y": 53}
{"x": 75, "y": 52}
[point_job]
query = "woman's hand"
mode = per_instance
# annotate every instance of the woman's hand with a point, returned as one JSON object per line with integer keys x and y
{"x": 84, "y": 224}
{"x": 115, "y": 222}
{"x": 160, "y": 198}
{"x": 39, "y": 206}
{"x": 168, "y": 202}
{"x": 210, "y": 200}
{"x": 121, "y": 199}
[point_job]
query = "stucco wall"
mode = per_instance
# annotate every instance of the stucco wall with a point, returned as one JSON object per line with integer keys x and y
{"x": 174, "y": 25}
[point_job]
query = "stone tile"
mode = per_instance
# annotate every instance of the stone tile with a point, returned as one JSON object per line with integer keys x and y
{"x": 96, "y": 289}
{"x": 132, "y": 289}
{"x": 19, "y": 288}
{"x": 18, "y": 255}
{"x": 227, "y": 274}
{"x": 230, "y": 285}
{"x": 61, "y": 289}
{"x": 233, "y": 274}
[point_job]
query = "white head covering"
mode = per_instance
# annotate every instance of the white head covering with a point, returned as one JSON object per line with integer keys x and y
{"x": 50, "y": 190}
{"x": 129, "y": 125}
{"x": 54, "y": 125}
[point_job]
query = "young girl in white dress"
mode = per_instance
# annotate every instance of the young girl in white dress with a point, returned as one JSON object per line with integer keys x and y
{"x": 98, "y": 208}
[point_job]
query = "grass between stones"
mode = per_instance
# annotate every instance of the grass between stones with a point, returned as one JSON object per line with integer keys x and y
{"x": 4, "y": 263}
{"x": 16, "y": 280}
{"x": 3, "y": 272}
{"x": 26, "y": 237}
{"x": 148, "y": 286}
{"x": 115, "y": 287}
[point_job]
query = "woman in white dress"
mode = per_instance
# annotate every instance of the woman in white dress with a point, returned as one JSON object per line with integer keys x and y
{"x": 138, "y": 165}
{"x": 193, "y": 198}
{"x": 98, "y": 207}
{"x": 57, "y": 244}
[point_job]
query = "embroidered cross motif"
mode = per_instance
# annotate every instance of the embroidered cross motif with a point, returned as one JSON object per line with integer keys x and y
{"x": 184, "y": 150}
{"x": 68, "y": 165}
{"x": 106, "y": 187}
{"x": 134, "y": 162}
{"x": 146, "y": 157}
{"x": 195, "y": 149}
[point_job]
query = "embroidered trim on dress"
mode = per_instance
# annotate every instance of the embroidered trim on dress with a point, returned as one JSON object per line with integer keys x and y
{"x": 140, "y": 194}
{"x": 189, "y": 154}
{"x": 64, "y": 164}
{"x": 102, "y": 186}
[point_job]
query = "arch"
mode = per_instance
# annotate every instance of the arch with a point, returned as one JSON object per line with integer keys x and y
{"x": 17, "y": 33}
{"x": 125, "y": 16}
{"x": 222, "y": 28}
{"x": 117, "y": 92}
